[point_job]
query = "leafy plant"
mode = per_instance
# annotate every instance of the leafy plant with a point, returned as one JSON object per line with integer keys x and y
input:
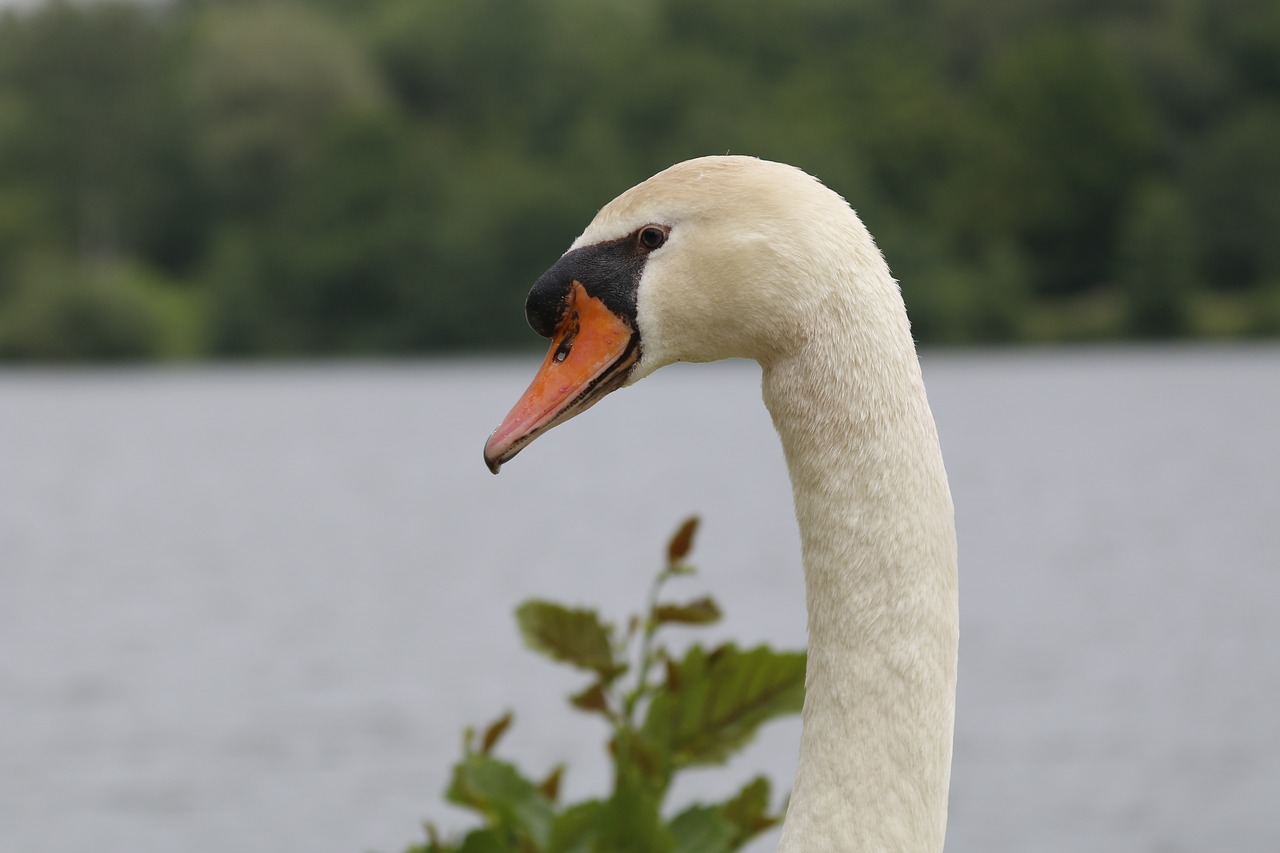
{"x": 667, "y": 712}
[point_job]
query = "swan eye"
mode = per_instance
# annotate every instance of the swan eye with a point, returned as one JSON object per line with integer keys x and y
{"x": 652, "y": 237}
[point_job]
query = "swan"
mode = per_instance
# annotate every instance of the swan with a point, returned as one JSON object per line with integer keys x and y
{"x": 723, "y": 257}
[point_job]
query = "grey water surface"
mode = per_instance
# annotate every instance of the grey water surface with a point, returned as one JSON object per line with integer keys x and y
{"x": 252, "y": 608}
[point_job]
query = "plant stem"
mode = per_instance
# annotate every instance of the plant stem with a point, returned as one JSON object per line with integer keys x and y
{"x": 646, "y": 647}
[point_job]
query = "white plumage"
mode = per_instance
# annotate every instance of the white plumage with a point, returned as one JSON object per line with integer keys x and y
{"x": 764, "y": 262}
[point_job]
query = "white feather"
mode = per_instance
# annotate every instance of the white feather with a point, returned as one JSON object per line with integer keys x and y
{"x": 764, "y": 262}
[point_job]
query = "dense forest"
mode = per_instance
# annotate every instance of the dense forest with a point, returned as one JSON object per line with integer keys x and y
{"x": 197, "y": 179}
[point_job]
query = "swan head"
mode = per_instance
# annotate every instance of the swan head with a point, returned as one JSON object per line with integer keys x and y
{"x": 713, "y": 258}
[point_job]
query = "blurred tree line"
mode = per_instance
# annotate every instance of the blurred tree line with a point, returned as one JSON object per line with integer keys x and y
{"x": 354, "y": 176}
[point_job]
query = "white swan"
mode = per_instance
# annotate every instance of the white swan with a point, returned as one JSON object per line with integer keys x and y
{"x": 736, "y": 257}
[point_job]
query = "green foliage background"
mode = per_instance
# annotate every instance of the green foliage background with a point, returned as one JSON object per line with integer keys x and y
{"x": 241, "y": 178}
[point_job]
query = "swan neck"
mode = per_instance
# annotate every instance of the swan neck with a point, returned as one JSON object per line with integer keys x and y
{"x": 878, "y": 538}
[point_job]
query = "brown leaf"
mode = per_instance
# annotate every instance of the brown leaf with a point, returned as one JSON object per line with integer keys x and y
{"x": 703, "y": 611}
{"x": 550, "y": 787}
{"x": 495, "y": 732}
{"x": 673, "y": 674}
{"x": 592, "y": 699}
{"x": 682, "y": 543}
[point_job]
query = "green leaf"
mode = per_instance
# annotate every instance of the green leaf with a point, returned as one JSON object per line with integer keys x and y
{"x": 702, "y": 829}
{"x": 483, "y": 841}
{"x": 495, "y": 732}
{"x": 702, "y": 611}
{"x": 628, "y": 822}
{"x": 631, "y": 821}
{"x": 509, "y": 803}
{"x": 639, "y": 761}
{"x": 749, "y": 811}
{"x": 682, "y": 542}
{"x": 576, "y": 829}
{"x": 720, "y": 701}
{"x": 572, "y": 636}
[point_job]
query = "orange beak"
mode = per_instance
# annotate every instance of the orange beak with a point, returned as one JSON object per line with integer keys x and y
{"x": 591, "y": 354}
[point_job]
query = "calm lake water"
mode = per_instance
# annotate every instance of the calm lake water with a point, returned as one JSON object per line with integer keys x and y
{"x": 250, "y": 609}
